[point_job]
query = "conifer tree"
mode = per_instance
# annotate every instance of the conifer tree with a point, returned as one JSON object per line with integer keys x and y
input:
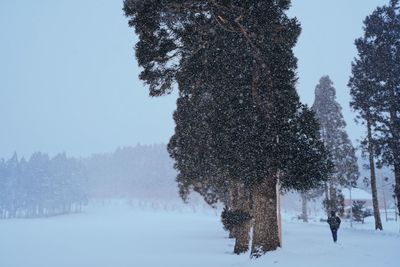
{"x": 41, "y": 186}
{"x": 375, "y": 89}
{"x": 2, "y": 189}
{"x": 358, "y": 210}
{"x": 363, "y": 90}
{"x": 239, "y": 121}
{"x": 338, "y": 144}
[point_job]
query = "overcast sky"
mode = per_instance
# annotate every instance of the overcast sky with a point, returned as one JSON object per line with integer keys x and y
{"x": 69, "y": 80}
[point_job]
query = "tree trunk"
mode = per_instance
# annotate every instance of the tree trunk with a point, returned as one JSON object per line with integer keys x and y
{"x": 397, "y": 185}
{"x": 265, "y": 229}
{"x": 233, "y": 203}
{"x": 395, "y": 144}
{"x": 327, "y": 200}
{"x": 396, "y": 169}
{"x": 304, "y": 208}
{"x": 243, "y": 231}
{"x": 333, "y": 198}
{"x": 377, "y": 216}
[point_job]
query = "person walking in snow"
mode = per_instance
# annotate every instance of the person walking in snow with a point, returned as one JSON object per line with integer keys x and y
{"x": 334, "y": 223}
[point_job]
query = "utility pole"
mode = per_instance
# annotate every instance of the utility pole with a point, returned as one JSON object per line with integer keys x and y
{"x": 278, "y": 194}
{"x": 384, "y": 198}
{"x": 395, "y": 207}
{"x": 351, "y": 209}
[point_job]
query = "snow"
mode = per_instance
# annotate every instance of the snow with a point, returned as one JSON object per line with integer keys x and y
{"x": 356, "y": 194}
{"x": 121, "y": 235}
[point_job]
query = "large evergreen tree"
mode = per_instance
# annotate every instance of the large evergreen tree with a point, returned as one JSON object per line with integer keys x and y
{"x": 363, "y": 91}
{"x": 239, "y": 122}
{"x": 375, "y": 86}
{"x": 338, "y": 144}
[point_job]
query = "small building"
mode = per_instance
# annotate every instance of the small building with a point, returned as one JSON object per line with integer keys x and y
{"x": 357, "y": 194}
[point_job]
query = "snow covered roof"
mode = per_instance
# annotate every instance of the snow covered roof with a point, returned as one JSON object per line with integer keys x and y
{"x": 356, "y": 194}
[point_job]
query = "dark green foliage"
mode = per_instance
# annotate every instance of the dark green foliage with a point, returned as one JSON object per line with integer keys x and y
{"x": 238, "y": 119}
{"x": 340, "y": 204}
{"x": 358, "y": 210}
{"x": 233, "y": 218}
{"x": 375, "y": 84}
{"x": 238, "y": 114}
{"x": 307, "y": 164}
{"x": 342, "y": 153}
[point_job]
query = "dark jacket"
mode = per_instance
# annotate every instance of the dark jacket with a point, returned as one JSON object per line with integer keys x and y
{"x": 334, "y": 222}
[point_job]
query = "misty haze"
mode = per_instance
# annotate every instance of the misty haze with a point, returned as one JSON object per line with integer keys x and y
{"x": 203, "y": 133}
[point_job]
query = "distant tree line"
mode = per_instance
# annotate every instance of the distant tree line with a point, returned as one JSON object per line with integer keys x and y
{"x": 142, "y": 171}
{"x": 41, "y": 186}
{"x": 44, "y": 186}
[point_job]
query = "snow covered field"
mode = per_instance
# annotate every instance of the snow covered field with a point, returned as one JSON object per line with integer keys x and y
{"x": 119, "y": 235}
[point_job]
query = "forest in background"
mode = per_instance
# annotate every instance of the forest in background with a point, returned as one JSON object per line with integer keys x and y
{"x": 44, "y": 186}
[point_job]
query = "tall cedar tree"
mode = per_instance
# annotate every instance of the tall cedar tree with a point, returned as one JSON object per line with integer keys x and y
{"x": 338, "y": 144}
{"x": 375, "y": 86}
{"x": 238, "y": 118}
{"x": 364, "y": 90}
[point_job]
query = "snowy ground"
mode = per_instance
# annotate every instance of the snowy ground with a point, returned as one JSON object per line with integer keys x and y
{"x": 122, "y": 236}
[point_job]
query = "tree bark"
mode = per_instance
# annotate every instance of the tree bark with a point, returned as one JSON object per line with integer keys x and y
{"x": 397, "y": 185}
{"x": 304, "y": 214}
{"x": 395, "y": 144}
{"x": 265, "y": 229}
{"x": 333, "y": 198}
{"x": 375, "y": 204}
{"x": 396, "y": 164}
{"x": 233, "y": 203}
{"x": 243, "y": 231}
{"x": 327, "y": 200}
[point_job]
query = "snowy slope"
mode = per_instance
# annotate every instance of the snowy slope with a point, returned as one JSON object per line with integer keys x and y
{"x": 122, "y": 236}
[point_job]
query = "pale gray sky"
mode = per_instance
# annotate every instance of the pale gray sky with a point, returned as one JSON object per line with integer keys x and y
{"x": 69, "y": 79}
